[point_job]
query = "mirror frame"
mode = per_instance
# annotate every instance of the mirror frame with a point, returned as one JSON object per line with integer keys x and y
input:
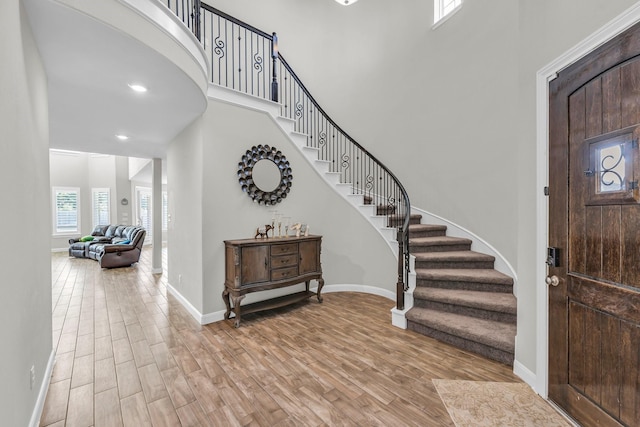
{"x": 245, "y": 174}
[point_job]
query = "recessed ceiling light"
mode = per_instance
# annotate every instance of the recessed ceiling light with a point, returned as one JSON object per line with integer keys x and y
{"x": 137, "y": 88}
{"x": 122, "y": 137}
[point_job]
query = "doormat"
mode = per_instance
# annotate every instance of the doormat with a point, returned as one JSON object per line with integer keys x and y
{"x": 475, "y": 403}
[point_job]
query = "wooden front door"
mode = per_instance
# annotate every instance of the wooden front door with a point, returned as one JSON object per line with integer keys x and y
{"x": 594, "y": 220}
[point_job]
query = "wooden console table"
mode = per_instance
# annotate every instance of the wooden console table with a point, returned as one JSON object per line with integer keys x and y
{"x": 253, "y": 265}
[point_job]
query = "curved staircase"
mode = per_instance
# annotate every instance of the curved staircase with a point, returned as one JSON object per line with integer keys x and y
{"x": 459, "y": 298}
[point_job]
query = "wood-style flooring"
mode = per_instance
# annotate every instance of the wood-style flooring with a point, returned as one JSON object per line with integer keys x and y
{"x": 128, "y": 354}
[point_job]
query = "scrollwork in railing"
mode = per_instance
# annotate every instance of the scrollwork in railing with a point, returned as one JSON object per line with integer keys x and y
{"x": 346, "y": 161}
{"x": 299, "y": 110}
{"x": 219, "y": 47}
{"x": 257, "y": 62}
{"x": 322, "y": 140}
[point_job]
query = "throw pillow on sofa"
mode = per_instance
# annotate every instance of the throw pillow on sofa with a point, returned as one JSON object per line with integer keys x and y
{"x": 124, "y": 242}
{"x": 86, "y": 238}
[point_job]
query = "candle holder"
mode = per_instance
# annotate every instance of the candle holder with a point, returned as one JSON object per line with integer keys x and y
{"x": 286, "y": 221}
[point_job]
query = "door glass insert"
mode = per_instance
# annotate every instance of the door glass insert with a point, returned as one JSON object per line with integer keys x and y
{"x": 610, "y": 172}
{"x": 611, "y": 168}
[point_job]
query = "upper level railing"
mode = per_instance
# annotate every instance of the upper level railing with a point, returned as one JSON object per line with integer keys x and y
{"x": 247, "y": 59}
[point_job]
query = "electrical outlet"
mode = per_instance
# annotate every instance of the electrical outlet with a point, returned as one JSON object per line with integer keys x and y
{"x": 32, "y": 379}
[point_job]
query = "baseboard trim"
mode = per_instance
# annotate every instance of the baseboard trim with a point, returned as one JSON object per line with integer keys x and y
{"x": 525, "y": 374}
{"x": 203, "y": 319}
{"x": 42, "y": 394}
{"x": 59, "y": 250}
{"x": 156, "y": 270}
{"x": 365, "y": 289}
{"x": 185, "y": 303}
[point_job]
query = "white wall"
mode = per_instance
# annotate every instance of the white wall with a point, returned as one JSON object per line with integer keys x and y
{"x": 185, "y": 180}
{"x": 25, "y": 306}
{"x": 123, "y": 191}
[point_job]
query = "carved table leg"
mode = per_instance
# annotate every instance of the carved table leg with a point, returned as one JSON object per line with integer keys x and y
{"x": 320, "y": 285}
{"x": 236, "y": 307}
{"x": 225, "y": 298}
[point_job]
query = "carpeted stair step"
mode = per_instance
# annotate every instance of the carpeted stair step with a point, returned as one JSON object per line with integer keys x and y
{"x": 488, "y": 338}
{"x": 501, "y": 307}
{"x": 438, "y": 244}
{"x": 397, "y": 220}
{"x": 485, "y": 280}
{"x": 456, "y": 260}
{"x": 426, "y": 230}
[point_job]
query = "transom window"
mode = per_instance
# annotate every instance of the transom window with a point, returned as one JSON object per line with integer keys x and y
{"x": 444, "y": 8}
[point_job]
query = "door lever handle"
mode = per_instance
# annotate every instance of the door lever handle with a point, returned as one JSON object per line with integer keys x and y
{"x": 552, "y": 280}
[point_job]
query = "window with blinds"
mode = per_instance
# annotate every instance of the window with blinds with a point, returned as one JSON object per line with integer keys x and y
{"x": 445, "y": 8}
{"x": 66, "y": 210}
{"x": 100, "y": 206}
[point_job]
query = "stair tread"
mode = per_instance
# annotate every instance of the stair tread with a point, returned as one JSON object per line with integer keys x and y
{"x": 490, "y": 301}
{"x": 454, "y": 256}
{"x": 488, "y": 332}
{"x": 438, "y": 240}
{"x": 465, "y": 275}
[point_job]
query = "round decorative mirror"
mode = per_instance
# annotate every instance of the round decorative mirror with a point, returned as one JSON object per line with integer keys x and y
{"x": 264, "y": 174}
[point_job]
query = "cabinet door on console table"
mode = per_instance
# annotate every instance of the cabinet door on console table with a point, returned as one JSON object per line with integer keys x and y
{"x": 254, "y": 265}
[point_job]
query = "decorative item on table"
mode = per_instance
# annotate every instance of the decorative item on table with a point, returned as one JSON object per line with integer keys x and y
{"x": 274, "y": 215}
{"x": 279, "y": 224}
{"x": 301, "y": 229}
{"x": 286, "y": 220}
{"x": 263, "y": 232}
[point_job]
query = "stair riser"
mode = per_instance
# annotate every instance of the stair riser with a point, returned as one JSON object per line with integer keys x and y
{"x": 438, "y": 248}
{"x": 454, "y": 264}
{"x": 398, "y": 223}
{"x": 435, "y": 233}
{"x": 467, "y": 345}
{"x": 466, "y": 311}
{"x": 467, "y": 286}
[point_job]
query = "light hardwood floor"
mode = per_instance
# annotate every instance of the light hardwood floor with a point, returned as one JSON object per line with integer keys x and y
{"x": 127, "y": 353}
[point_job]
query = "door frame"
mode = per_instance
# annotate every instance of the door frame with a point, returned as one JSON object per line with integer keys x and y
{"x": 543, "y": 77}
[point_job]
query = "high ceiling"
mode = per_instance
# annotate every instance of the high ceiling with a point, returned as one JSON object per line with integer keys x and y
{"x": 89, "y": 66}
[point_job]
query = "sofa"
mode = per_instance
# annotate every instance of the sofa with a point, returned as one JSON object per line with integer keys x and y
{"x": 110, "y": 245}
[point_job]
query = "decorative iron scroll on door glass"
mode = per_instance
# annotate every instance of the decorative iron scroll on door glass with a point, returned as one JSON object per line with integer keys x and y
{"x": 613, "y": 163}
{"x": 264, "y": 173}
{"x": 611, "y": 168}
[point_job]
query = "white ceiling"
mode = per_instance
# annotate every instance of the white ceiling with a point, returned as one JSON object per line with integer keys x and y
{"x": 89, "y": 66}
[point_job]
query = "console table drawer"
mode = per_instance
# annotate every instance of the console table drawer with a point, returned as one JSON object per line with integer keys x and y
{"x": 284, "y": 261}
{"x": 291, "y": 248}
{"x": 284, "y": 273}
